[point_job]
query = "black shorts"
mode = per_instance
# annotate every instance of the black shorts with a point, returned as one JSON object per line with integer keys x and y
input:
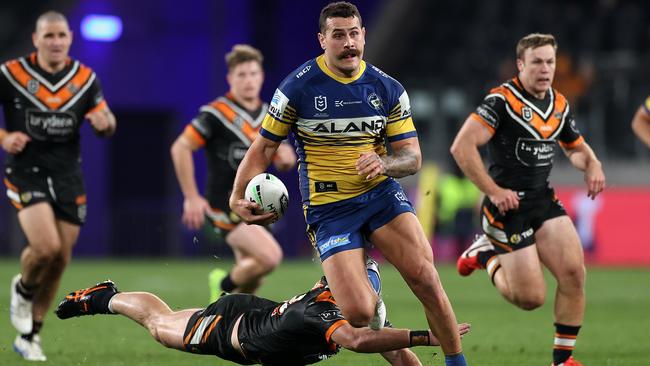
{"x": 222, "y": 220}
{"x": 65, "y": 192}
{"x": 208, "y": 331}
{"x": 516, "y": 229}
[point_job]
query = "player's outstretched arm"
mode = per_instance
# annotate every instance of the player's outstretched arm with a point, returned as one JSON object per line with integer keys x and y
{"x": 366, "y": 340}
{"x": 465, "y": 151}
{"x": 584, "y": 158}
{"x": 641, "y": 125}
{"x": 257, "y": 159}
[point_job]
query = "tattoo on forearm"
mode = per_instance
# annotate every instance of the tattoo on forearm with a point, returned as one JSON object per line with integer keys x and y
{"x": 401, "y": 163}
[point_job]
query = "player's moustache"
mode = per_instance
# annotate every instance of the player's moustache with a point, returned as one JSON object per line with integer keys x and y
{"x": 350, "y": 52}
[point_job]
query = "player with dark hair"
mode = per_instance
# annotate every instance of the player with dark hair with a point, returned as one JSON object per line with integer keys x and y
{"x": 525, "y": 225}
{"x": 247, "y": 329}
{"x": 343, "y": 113}
{"x": 641, "y": 123}
{"x": 46, "y": 96}
{"x": 225, "y": 128}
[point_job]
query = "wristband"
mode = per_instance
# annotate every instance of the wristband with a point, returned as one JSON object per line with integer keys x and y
{"x": 418, "y": 337}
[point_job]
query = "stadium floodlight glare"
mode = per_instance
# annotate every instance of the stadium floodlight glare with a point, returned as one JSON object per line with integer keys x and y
{"x": 102, "y": 28}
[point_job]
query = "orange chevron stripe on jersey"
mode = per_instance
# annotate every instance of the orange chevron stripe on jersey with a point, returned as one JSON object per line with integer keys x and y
{"x": 545, "y": 126}
{"x": 248, "y": 130}
{"x": 52, "y": 100}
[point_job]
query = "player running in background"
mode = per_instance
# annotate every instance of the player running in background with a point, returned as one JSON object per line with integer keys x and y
{"x": 247, "y": 329}
{"x": 342, "y": 111}
{"x": 225, "y": 128}
{"x": 46, "y": 96}
{"x": 525, "y": 225}
{"x": 641, "y": 122}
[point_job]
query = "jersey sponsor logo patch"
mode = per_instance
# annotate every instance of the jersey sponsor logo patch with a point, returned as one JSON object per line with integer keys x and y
{"x": 488, "y": 114}
{"x": 325, "y": 187}
{"x": 330, "y": 315}
{"x": 51, "y": 125}
{"x": 343, "y": 103}
{"x": 303, "y": 71}
{"x": 334, "y": 242}
{"x": 534, "y": 153}
{"x": 320, "y": 103}
{"x": 278, "y": 104}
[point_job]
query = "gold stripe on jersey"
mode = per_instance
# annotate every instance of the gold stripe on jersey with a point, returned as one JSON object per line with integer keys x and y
{"x": 276, "y": 126}
{"x": 402, "y": 126}
{"x": 647, "y": 105}
{"x": 54, "y": 100}
{"x": 320, "y": 61}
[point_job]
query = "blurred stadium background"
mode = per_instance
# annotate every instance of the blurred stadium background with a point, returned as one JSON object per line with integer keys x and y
{"x": 168, "y": 61}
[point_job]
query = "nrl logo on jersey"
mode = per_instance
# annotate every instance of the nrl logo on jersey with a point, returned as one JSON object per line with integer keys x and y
{"x": 320, "y": 103}
{"x": 527, "y": 114}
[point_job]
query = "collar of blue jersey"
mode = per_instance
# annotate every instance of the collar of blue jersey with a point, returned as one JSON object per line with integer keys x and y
{"x": 320, "y": 60}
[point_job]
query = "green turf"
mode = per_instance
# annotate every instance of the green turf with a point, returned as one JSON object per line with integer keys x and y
{"x": 614, "y": 332}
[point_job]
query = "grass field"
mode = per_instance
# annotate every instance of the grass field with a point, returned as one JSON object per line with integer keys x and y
{"x": 616, "y": 323}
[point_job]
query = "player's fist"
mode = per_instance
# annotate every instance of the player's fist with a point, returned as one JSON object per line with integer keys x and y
{"x": 15, "y": 142}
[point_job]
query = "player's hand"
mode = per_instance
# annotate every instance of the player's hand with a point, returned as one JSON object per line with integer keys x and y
{"x": 194, "y": 209}
{"x": 370, "y": 165}
{"x": 505, "y": 200}
{"x": 101, "y": 120}
{"x": 463, "y": 328}
{"x": 284, "y": 158}
{"x": 595, "y": 179}
{"x": 250, "y": 212}
{"x": 15, "y": 142}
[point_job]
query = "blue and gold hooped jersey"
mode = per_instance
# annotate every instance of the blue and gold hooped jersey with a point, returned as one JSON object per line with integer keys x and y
{"x": 334, "y": 120}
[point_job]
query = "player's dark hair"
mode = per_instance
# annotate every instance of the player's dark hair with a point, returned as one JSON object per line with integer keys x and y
{"x": 534, "y": 40}
{"x": 340, "y": 9}
{"x": 50, "y": 17}
{"x": 242, "y": 53}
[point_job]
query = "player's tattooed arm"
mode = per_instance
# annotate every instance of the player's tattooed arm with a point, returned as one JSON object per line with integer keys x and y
{"x": 406, "y": 159}
{"x": 401, "y": 163}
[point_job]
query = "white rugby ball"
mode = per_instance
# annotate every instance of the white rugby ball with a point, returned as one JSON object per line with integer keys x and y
{"x": 270, "y": 193}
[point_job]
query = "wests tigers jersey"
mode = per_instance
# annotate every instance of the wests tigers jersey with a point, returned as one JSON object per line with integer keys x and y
{"x": 525, "y": 130}
{"x": 226, "y": 130}
{"x": 334, "y": 120}
{"x": 295, "y": 332}
{"x": 49, "y": 108}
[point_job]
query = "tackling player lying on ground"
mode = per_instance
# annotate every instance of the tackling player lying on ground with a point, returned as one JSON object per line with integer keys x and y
{"x": 247, "y": 329}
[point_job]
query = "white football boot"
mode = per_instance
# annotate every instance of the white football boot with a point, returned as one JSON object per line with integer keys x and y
{"x": 30, "y": 351}
{"x": 20, "y": 310}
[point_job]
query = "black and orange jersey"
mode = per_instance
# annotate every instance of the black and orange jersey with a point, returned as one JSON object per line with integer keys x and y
{"x": 294, "y": 332}
{"x": 226, "y": 130}
{"x": 525, "y": 130}
{"x": 49, "y": 108}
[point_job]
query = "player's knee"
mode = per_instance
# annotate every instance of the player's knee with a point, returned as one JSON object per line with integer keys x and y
{"x": 420, "y": 276}
{"x": 47, "y": 250}
{"x": 573, "y": 279}
{"x": 360, "y": 314}
{"x": 530, "y": 301}
{"x": 268, "y": 262}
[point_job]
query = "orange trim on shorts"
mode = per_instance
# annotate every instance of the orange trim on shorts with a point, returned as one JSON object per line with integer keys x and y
{"x": 333, "y": 327}
{"x": 11, "y": 186}
{"x": 80, "y": 200}
{"x": 16, "y": 204}
{"x": 223, "y": 225}
{"x": 207, "y": 333}
{"x": 491, "y": 219}
{"x": 191, "y": 333}
{"x": 191, "y": 133}
{"x": 502, "y": 246}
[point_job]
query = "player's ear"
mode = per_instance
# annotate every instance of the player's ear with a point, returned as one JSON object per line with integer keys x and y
{"x": 520, "y": 65}
{"x": 321, "y": 40}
